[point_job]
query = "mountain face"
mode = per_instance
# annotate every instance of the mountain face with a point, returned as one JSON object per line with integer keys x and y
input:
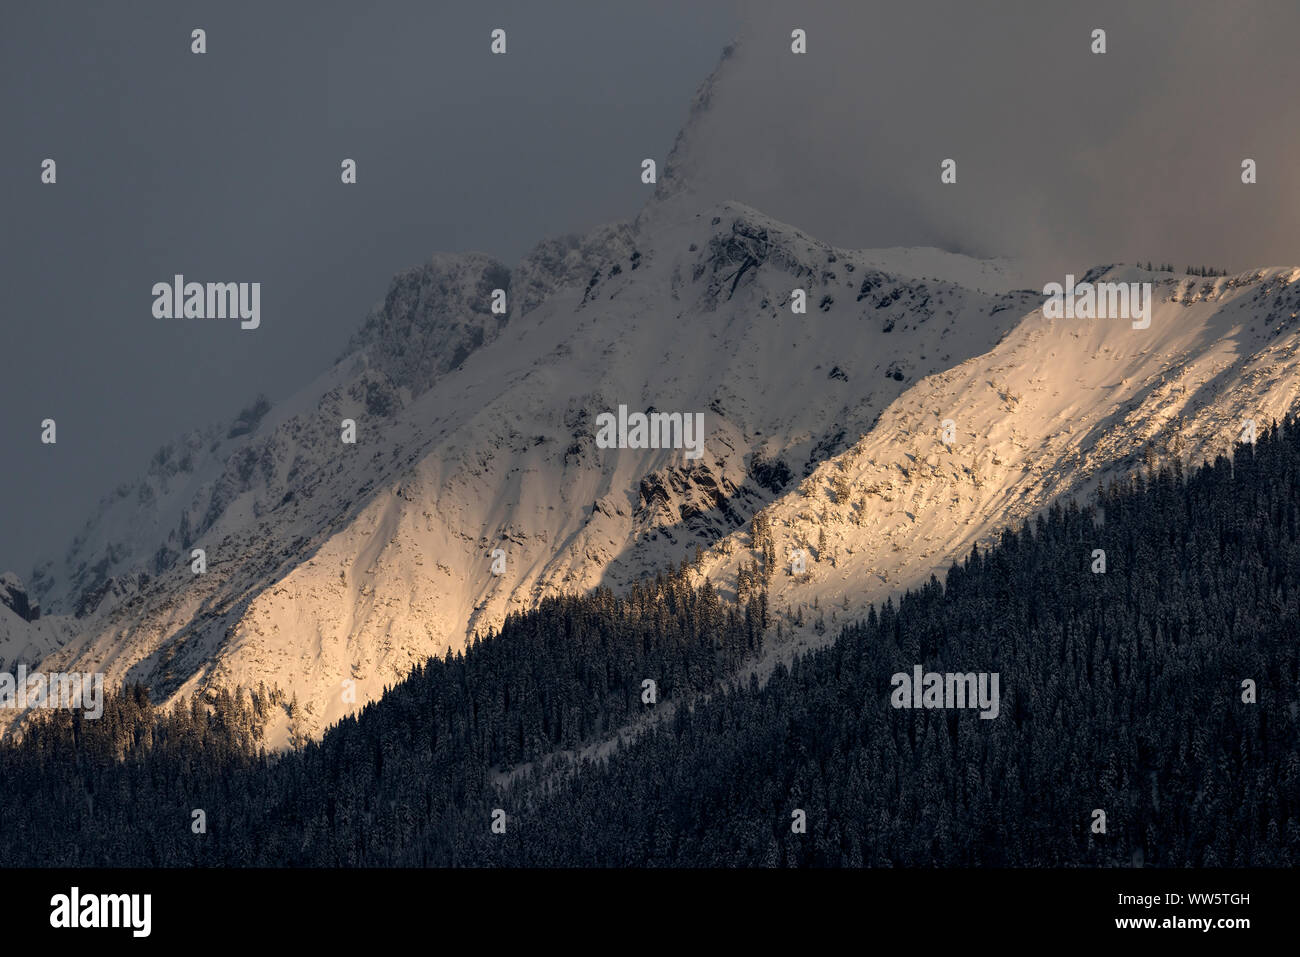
{"x": 1055, "y": 409}
{"x": 476, "y": 484}
{"x": 14, "y": 597}
{"x": 328, "y": 562}
{"x": 1143, "y": 665}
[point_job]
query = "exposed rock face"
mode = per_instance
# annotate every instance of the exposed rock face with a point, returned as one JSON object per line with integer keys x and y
{"x": 14, "y": 597}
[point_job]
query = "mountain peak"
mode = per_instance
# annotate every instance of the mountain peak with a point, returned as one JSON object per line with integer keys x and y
{"x": 431, "y": 318}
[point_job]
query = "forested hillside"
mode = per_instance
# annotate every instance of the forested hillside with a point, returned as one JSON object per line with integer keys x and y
{"x": 1121, "y": 691}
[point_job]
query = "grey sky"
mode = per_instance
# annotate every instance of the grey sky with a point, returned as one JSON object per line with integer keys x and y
{"x": 225, "y": 167}
{"x": 1065, "y": 158}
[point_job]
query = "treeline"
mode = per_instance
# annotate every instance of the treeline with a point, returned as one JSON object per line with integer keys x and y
{"x": 1121, "y": 692}
{"x": 1160, "y": 692}
{"x": 1191, "y": 270}
{"x": 123, "y": 789}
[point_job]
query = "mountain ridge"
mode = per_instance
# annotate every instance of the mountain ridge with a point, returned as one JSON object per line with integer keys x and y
{"x": 289, "y": 454}
{"x": 476, "y": 487}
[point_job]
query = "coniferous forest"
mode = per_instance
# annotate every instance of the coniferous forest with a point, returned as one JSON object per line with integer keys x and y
{"x": 1123, "y": 691}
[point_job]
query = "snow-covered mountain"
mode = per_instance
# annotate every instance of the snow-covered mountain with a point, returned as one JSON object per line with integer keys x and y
{"x": 333, "y": 567}
{"x": 328, "y": 562}
{"x": 1056, "y": 408}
